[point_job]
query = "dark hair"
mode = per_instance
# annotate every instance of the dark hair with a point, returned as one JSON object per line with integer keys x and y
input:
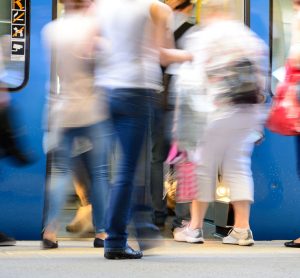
{"x": 183, "y": 5}
{"x": 77, "y": 3}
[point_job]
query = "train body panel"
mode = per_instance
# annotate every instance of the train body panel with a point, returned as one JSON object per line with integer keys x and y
{"x": 22, "y": 189}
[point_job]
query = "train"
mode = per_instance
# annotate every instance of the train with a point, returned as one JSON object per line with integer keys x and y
{"x": 275, "y": 212}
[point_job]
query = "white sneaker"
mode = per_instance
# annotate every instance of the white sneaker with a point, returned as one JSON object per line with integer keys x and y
{"x": 239, "y": 237}
{"x": 186, "y": 234}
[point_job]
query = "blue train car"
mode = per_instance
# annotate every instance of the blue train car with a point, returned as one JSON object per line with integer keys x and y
{"x": 22, "y": 189}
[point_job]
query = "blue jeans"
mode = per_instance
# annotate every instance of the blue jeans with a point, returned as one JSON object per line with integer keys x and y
{"x": 129, "y": 110}
{"x": 97, "y": 165}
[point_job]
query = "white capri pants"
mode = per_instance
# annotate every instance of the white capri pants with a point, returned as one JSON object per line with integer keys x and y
{"x": 226, "y": 151}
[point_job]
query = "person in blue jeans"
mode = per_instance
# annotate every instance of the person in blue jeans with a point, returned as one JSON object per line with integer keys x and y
{"x": 131, "y": 73}
{"x": 61, "y": 177}
{"x": 75, "y": 111}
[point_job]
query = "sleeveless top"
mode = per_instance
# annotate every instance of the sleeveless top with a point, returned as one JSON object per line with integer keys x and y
{"x": 132, "y": 58}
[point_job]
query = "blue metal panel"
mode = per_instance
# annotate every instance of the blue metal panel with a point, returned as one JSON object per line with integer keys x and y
{"x": 22, "y": 188}
{"x": 275, "y": 213}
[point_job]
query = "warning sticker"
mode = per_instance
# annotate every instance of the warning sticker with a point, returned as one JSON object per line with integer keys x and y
{"x": 18, "y": 50}
{"x": 18, "y": 17}
{"x": 19, "y": 5}
{"x": 18, "y": 30}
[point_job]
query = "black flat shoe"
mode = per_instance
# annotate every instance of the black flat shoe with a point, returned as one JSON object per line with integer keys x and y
{"x": 292, "y": 244}
{"x": 98, "y": 243}
{"x": 6, "y": 240}
{"x": 119, "y": 254}
{"x": 48, "y": 244}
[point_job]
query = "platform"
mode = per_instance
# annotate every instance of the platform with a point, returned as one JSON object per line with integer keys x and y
{"x": 166, "y": 259}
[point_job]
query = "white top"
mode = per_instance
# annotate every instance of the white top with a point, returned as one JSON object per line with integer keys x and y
{"x": 74, "y": 103}
{"x": 217, "y": 49}
{"x": 132, "y": 60}
{"x": 212, "y": 49}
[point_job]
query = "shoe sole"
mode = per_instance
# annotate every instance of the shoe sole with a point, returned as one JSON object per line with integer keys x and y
{"x": 189, "y": 240}
{"x": 121, "y": 257}
{"x": 240, "y": 243}
{"x": 8, "y": 243}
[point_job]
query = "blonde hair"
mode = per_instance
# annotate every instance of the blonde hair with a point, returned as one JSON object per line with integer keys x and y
{"x": 212, "y": 6}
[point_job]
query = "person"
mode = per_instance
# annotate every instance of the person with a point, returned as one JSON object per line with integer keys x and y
{"x": 4, "y": 239}
{"x": 294, "y": 56}
{"x": 75, "y": 111}
{"x": 131, "y": 76}
{"x": 159, "y": 118}
{"x": 82, "y": 221}
{"x": 233, "y": 74}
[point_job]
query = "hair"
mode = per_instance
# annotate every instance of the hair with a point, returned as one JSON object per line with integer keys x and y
{"x": 76, "y": 4}
{"x": 217, "y": 6}
{"x": 183, "y": 4}
{"x": 296, "y": 2}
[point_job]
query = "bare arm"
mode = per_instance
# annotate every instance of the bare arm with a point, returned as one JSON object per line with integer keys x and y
{"x": 162, "y": 17}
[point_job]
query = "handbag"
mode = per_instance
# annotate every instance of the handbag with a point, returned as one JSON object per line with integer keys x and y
{"x": 284, "y": 116}
{"x": 187, "y": 185}
{"x": 180, "y": 178}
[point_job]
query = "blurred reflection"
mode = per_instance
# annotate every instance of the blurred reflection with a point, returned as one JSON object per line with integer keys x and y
{"x": 12, "y": 136}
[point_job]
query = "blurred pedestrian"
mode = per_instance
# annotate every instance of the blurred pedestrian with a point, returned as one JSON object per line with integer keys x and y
{"x": 294, "y": 57}
{"x": 161, "y": 112}
{"x": 4, "y": 239}
{"x": 136, "y": 32}
{"x": 75, "y": 110}
{"x": 232, "y": 63}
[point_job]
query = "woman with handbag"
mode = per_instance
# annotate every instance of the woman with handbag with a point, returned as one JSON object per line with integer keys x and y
{"x": 232, "y": 62}
{"x": 294, "y": 58}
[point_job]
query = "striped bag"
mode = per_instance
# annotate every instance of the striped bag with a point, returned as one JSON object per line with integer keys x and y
{"x": 187, "y": 185}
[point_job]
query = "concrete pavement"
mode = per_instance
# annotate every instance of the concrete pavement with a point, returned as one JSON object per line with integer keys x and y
{"x": 166, "y": 259}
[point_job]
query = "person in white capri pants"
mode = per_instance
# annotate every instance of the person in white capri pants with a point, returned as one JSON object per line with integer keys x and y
{"x": 234, "y": 78}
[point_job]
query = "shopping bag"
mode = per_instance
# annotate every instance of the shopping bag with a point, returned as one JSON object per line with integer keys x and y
{"x": 187, "y": 184}
{"x": 284, "y": 116}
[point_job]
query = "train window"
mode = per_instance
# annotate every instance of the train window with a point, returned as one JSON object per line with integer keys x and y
{"x": 14, "y": 43}
{"x": 282, "y": 20}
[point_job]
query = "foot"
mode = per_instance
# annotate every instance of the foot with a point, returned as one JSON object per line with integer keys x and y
{"x": 294, "y": 243}
{"x": 98, "y": 243}
{"x": 49, "y": 244}
{"x": 49, "y": 240}
{"x": 186, "y": 234}
{"x": 159, "y": 218}
{"x": 242, "y": 237}
{"x": 6, "y": 240}
{"x": 99, "y": 240}
{"x": 82, "y": 222}
{"x": 123, "y": 254}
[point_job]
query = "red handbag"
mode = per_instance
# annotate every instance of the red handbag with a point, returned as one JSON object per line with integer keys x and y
{"x": 284, "y": 116}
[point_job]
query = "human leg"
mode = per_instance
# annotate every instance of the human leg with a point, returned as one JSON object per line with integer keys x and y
{"x": 56, "y": 187}
{"x": 97, "y": 162}
{"x": 237, "y": 175}
{"x": 159, "y": 149}
{"x": 129, "y": 111}
{"x": 82, "y": 222}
